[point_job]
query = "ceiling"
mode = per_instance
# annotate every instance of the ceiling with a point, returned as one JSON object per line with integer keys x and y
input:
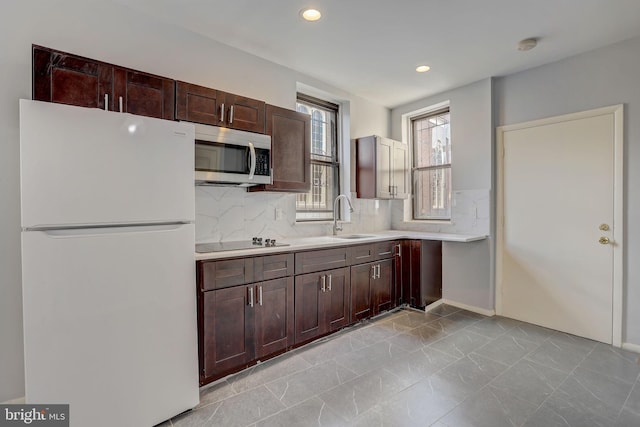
{"x": 371, "y": 48}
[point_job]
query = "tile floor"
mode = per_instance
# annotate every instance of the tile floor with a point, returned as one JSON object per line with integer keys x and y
{"x": 449, "y": 367}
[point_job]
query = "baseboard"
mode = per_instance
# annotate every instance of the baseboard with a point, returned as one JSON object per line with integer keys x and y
{"x": 631, "y": 347}
{"x": 17, "y": 401}
{"x": 472, "y": 308}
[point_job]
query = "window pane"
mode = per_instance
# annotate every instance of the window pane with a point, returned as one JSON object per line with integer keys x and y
{"x": 432, "y": 141}
{"x": 318, "y": 203}
{"x": 432, "y": 193}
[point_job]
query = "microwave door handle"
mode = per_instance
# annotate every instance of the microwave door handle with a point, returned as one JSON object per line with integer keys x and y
{"x": 252, "y": 160}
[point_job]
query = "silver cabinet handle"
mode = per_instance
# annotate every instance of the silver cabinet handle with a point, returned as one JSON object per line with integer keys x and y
{"x": 250, "y": 296}
{"x": 106, "y": 102}
{"x": 231, "y": 114}
{"x": 222, "y": 113}
{"x": 378, "y": 271}
{"x": 373, "y": 267}
{"x": 323, "y": 287}
{"x": 399, "y": 253}
{"x": 252, "y": 164}
{"x": 329, "y": 286}
{"x": 260, "y": 295}
{"x": 120, "y": 102}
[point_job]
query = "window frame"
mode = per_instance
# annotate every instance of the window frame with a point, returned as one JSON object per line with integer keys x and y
{"x": 333, "y": 162}
{"x": 425, "y": 114}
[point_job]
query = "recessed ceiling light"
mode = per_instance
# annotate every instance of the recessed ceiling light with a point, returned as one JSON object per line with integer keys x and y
{"x": 422, "y": 68}
{"x": 311, "y": 14}
{"x": 527, "y": 44}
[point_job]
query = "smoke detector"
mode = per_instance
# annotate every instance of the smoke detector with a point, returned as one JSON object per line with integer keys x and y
{"x": 527, "y": 44}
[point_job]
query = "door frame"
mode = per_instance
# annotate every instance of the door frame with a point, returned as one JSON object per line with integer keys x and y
{"x": 618, "y": 205}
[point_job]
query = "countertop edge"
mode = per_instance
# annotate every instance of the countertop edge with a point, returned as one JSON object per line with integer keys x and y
{"x": 322, "y": 242}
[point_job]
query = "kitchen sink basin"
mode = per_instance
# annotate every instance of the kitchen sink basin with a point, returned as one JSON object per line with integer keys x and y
{"x": 353, "y": 236}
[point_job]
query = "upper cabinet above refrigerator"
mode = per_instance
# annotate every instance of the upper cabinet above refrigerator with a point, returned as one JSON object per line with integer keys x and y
{"x": 70, "y": 79}
{"x": 382, "y": 168}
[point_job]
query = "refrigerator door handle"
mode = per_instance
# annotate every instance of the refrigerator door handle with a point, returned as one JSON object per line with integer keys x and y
{"x": 80, "y": 231}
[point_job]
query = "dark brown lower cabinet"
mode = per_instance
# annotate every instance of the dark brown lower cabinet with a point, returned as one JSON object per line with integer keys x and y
{"x": 361, "y": 276}
{"x": 244, "y": 323}
{"x": 274, "y": 316}
{"x": 372, "y": 288}
{"x": 421, "y": 272}
{"x": 321, "y": 303}
{"x": 227, "y": 330}
{"x": 382, "y": 298}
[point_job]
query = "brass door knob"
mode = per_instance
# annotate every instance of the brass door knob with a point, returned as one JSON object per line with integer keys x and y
{"x": 603, "y": 240}
{"x": 604, "y": 227}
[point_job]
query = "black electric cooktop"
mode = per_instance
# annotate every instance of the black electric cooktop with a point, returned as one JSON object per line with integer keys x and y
{"x": 255, "y": 243}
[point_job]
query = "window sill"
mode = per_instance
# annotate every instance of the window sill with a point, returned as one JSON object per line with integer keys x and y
{"x": 429, "y": 221}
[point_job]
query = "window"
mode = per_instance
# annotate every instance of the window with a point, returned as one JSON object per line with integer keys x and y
{"x": 317, "y": 204}
{"x": 431, "y": 134}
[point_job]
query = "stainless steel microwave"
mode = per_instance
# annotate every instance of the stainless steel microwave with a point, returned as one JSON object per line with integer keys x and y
{"x": 231, "y": 157}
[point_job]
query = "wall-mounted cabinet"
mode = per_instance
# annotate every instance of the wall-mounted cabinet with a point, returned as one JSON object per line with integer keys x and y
{"x": 201, "y": 104}
{"x": 290, "y": 150}
{"x": 70, "y": 79}
{"x": 382, "y": 168}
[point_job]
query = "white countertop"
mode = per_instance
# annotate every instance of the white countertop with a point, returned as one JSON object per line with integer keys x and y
{"x": 320, "y": 242}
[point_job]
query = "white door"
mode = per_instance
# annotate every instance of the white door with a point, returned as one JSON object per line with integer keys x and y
{"x": 560, "y": 230}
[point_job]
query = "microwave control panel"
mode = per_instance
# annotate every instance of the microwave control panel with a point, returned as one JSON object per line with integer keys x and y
{"x": 262, "y": 162}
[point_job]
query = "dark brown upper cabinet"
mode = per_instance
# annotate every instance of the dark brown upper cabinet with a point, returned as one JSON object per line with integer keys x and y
{"x": 198, "y": 104}
{"x": 382, "y": 168}
{"x": 143, "y": 94}
{"x": 70, "y": 79}
{"x": 201, "y": 104}
{"x": 290, "y": 150}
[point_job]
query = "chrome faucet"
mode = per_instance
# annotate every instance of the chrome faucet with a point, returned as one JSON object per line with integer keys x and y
{"x": 337, "y": 227}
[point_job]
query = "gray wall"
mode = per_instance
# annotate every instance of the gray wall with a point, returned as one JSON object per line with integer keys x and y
{"x": 602, "y": 77}
{"x": 114, "y": 33}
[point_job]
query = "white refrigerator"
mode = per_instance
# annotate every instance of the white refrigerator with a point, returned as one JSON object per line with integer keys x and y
{"x": 108, "y": 272}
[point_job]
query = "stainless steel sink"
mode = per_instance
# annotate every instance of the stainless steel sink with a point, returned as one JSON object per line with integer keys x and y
{"x": 353, "y": 236}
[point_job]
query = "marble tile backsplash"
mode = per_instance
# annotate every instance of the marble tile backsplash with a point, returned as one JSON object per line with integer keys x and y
{"x": 230, "y": 213}
{"x": 470, "y": 214}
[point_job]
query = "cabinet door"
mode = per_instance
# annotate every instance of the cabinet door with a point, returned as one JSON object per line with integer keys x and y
{"x": 69, "y": 79}
{"x": 335, "y": 301}
{"x": 143, "y": 94}
{"x": 361, "y": 277}
{"x": 410, "y": 271}
{"x": 430, "y": 284}
{"x": 319, "y": 260}
{"x": 308, "y": 317}
{"x": 384, "y": 165}
{"x": 227, "y": 330}
{"x": 198, "y": 104}
{"x": 290, "y": 150}
{"x": 274, "y": 316}
{"x": 400, "y": 170}
{"x": 244, "y": 113}
{"x": 382, "y": 287}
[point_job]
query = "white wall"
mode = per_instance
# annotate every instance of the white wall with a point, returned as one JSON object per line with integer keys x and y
{"x": 464, "y": 280}
{"x": 605, "y": 76}
{"x": 113, "y": 33}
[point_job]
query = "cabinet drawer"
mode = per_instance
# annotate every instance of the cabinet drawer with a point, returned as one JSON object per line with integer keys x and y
{"x": 362, "y": 253}
{"x": 387, "y": 249}
{"x": 273, "y": 266}
{"x": 225, "y": 273}
{"x": 311, "y": 261}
